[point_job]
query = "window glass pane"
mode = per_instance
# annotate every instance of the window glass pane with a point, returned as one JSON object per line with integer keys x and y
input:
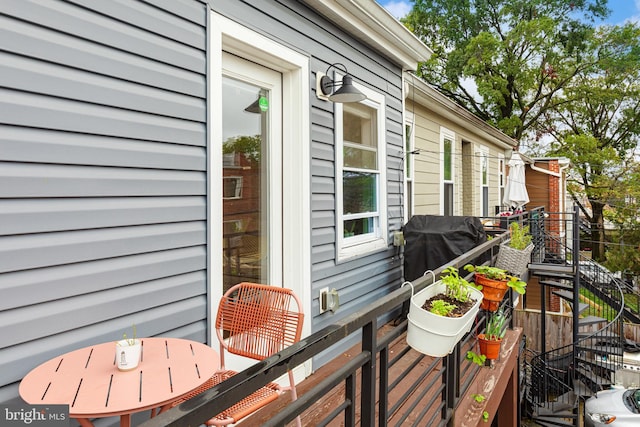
{"x": 356, "y": 227}
{"x": 448, "y": 199}
{"x": 484, "y": 169}
{"x": 359, "y": 192}
{"x": 407, "y": 150}
{"x": 359, "y": 125}
{"x": 355, "y": 157}
{"x": 447, "y": 160}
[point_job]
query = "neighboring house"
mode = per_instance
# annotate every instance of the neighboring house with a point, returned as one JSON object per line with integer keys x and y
{"x": 455, "y": 162}
{"x": 138, "y": 180}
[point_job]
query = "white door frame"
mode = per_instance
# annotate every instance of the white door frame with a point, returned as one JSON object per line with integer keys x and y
{"x": 229, "y": 36}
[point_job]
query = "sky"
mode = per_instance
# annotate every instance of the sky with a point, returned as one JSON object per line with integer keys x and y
{"x": 622, "y": 10}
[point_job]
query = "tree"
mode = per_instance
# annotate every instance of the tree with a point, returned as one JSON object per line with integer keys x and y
{"x": 596, "y": 124}
{"x": 517, "y": 54}
{"x": 623, "y": 254}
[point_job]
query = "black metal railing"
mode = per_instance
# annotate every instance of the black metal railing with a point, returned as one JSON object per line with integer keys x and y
{"x": 448, "y": 378}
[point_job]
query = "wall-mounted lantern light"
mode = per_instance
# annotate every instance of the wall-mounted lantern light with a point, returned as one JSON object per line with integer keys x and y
{"x": 347, "y": 92}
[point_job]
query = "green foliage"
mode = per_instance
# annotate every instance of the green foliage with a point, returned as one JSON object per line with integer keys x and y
{"x": 248, "y": 146}
{"x": 456, "y": 287}
{"x": 519, "y": 53}
{"x": 495, "y": 326}
{"x": 485, "y": 416}
{"x": 476, "y": 358}
{"x": 520, "y": 236}
{"x": 441, "y": 307}
{"x": 496, "y": 273}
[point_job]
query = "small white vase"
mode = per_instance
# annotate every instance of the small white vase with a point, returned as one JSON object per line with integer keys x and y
{"x": 128, "y": 354}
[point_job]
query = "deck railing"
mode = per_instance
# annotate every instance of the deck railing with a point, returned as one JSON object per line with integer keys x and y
{"x": 371, "y": 365}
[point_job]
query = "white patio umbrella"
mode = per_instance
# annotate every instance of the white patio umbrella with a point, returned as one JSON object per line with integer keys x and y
{"x": 515, "y": 192}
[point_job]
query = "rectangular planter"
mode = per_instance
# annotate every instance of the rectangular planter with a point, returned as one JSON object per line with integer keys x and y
{"x": 436, "y": 335}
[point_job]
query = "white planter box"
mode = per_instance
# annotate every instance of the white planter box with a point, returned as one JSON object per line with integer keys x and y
{"x": 436, "y": 335}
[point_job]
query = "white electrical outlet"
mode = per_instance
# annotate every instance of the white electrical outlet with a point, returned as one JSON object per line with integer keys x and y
{"x": 324, "y": 300}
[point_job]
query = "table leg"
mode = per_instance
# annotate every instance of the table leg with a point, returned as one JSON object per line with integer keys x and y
{"x": 84, "y": 422}
{"x": 125, "y": 420}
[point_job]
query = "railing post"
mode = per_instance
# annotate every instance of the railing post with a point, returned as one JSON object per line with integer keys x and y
{"x": 452, "y": 380}
{"x": 575, "y": 250}
{"x": 368, "y": 390}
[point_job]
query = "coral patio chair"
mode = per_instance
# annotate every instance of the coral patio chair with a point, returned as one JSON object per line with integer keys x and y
{"x": 254, "y": 321}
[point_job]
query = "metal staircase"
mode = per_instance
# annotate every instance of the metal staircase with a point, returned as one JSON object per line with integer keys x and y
{"x": 558, "y": 379}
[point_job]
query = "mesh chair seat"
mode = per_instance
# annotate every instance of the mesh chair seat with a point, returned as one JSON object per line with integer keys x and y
{"x": 245, "y": 407}
{"x": 254, "y": 321}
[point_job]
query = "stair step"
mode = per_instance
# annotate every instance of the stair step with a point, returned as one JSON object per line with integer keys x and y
{"x": 551, "y": 268}
{"x": 590, "y": 320}
{"x": 609, "y": 366}
{"x": 593, "y": 378}
{"x": 559, "y": 285}
{"x": 555, "y": 421}
{"x": 603, "y": 335}
{"x": 551, "y": 274}
{"x": 581, "y": 389}
{"x": 608, "y": 350}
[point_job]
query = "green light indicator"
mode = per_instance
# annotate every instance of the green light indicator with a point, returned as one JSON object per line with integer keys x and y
{"x": 263, "y": 102}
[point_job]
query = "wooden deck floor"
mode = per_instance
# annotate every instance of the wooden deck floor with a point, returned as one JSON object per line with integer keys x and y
{"x": 413, "y": 394}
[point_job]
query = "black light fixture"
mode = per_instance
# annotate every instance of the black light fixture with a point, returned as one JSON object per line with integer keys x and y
{"x": 347, "y": 91}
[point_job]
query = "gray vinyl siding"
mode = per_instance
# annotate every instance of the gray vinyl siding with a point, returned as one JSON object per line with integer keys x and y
{"x": 361, "y": 281}
{"x": 103, "y": 180}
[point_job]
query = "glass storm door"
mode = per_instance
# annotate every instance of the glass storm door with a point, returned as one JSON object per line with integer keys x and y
{"x": 251, "y": 173}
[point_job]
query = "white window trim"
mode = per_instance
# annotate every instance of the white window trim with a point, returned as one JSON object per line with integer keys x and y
{"x": 501, "y": 177}
{"x": 447, "y": 134}
{"x": 238, "y": 187}
{"x": 482, "y": 155}
{"x": 362, "y": 245}
{"x": 410, "y": 163}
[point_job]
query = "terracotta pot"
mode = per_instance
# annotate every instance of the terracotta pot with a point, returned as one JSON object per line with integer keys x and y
{"x": 493, "y": 291}
{"x": 490, "y": 348}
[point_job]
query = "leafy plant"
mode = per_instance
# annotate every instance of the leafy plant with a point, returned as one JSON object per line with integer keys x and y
{"x": 520, "y": 236}
{"x": 476, "y": 358}
{"x": 441, "y": 307}
{"x": 495, "y": 326}
{"x": 130, "y": 341}
{"x": 485, "y": 416}
{"x": 496, "y": 273}
{"x": 457, "y": 287}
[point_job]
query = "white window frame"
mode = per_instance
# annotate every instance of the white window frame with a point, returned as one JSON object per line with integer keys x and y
{"x": 501, "y": 178}
{"x": 447, "y": 134}
{"x": 409, "y": 158}
{"x": 238, "y": 187}
{"x": 356, "y": 246}
{"x": 483, "y": 157}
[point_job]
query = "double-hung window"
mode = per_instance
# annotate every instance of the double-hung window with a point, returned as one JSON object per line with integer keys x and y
{"x": 501, "y": 175}
{"x": 484, "y": 179}
{"x": 361, "y": 179}
{"x": 447, "y": 171}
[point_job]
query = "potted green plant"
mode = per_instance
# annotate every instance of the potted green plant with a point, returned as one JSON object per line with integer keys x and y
{"x": 491, "y": 340}
{"x": 495, "y": 282}
{"x": 128, "y": 352}
{"x": 515, "y": 254}
{"x": 440, "y": 314}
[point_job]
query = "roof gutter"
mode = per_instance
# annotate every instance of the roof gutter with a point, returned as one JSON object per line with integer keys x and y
{"x": 424, "y": 94}
{"x": 374, "y": 25}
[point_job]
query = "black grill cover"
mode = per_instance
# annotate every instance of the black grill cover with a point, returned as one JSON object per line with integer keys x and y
{"x": 432, "y": 241}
